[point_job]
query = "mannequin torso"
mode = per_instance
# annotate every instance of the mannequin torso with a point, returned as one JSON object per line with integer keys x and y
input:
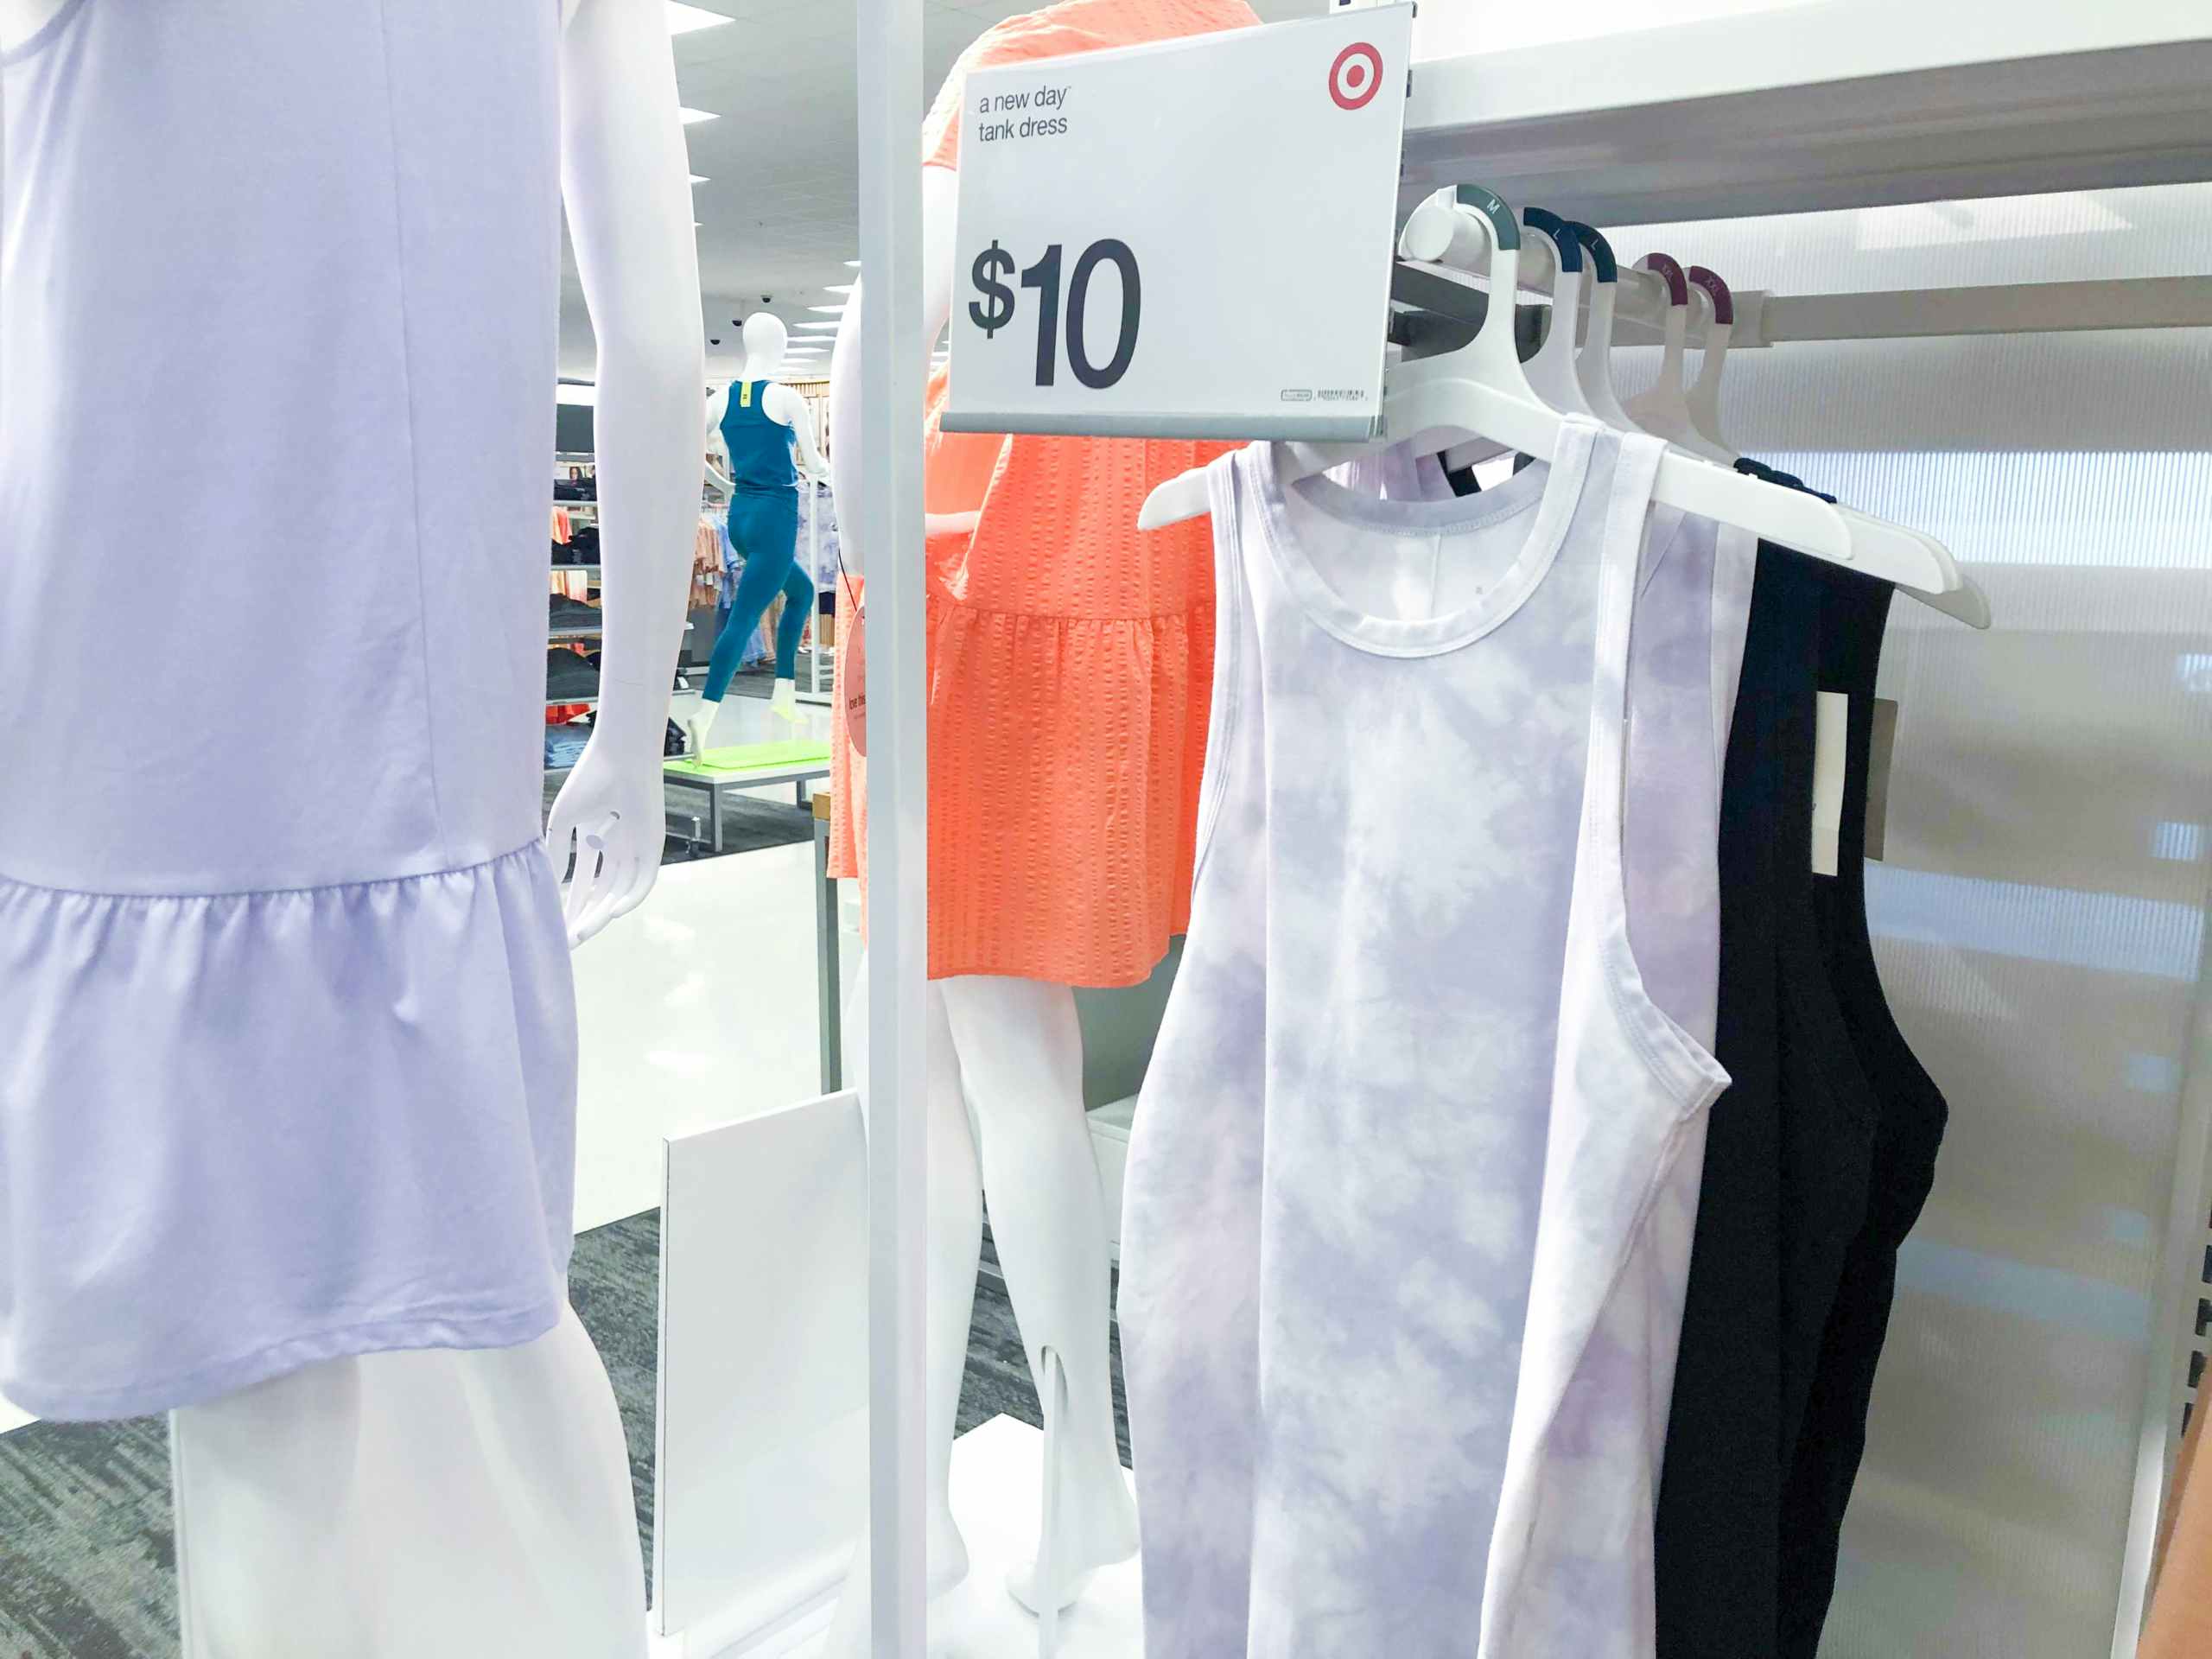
{"x": 766, "y": 342}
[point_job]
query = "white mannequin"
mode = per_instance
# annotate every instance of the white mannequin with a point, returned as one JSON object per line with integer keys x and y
{"x": 1009, "y": 1051}
{"x": 766, "y": 342}
{"x": 442, "y": 1504}
{"x": 625, "y": 176}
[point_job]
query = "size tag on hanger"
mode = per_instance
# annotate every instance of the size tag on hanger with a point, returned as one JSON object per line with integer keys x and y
{"x": 1186, "y": 240}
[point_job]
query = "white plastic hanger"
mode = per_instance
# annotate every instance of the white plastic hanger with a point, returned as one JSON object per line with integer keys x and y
{"x": 1703, "y": 397}
{"x": 1552, "y": 369}
{"x": 1594, "y": 364}
{"x": 1482, "y": 391}
{"x": 1664, "y": 410}
{"x": 1436, "y": 234}
{"x": 1700, "y": 403}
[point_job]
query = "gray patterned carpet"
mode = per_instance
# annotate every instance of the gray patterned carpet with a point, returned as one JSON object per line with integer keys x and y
{"x": 87, "y": 1553}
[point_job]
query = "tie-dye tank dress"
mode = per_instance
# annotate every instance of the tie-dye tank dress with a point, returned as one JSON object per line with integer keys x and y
{"x": 1415, "y": 1167}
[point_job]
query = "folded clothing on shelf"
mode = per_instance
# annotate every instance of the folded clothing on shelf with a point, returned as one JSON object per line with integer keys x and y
{"x": 564, "y": 745}
{"x": 569, "y": 677}
{"x": 561, "y": 611}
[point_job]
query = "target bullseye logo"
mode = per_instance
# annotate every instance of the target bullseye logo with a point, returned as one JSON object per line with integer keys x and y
{"x": 1356, "y": 76}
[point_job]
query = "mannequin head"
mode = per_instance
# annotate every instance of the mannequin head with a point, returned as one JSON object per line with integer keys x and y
{"x": 764, "y": 341}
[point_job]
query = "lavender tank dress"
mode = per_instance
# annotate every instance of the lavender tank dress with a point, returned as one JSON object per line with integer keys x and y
{"x": 287, "y": 1031}
{"x": 1414, "y": 1170}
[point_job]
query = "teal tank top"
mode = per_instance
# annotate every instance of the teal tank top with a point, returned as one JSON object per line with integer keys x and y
{"x": 759, "y": 446}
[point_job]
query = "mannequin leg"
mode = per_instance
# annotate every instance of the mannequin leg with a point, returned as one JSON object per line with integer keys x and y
{"x": 755, "y": 528}
{"x": 955, "y": 1235}
{"x": 1021, "y": 1060}
{"x": 790, "y": 627}
{"x": 439, "y": 1504}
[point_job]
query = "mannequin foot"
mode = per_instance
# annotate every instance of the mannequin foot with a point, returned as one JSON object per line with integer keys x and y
{"x": 1021, "y": 1585}
{"x": 783, "y": 699}
{"x": 1101, "y": 1529}
{"x": 698, "y": 723}
{"x": 948, "y": 1553}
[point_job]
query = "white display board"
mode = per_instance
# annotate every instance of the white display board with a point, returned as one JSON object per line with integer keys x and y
{"x": 1186, "y": 239}
{"x": 762, "y": 1469}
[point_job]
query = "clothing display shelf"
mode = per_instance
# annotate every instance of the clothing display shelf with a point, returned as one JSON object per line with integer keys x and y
{"x": 1834, "y": 104}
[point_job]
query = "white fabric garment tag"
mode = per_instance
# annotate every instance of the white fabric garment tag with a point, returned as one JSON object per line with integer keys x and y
{"x": 1831, "y": 727}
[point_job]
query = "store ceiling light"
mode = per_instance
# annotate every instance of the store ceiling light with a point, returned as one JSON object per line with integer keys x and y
{"x": 692, "y": 118}
{"x": 698, "y": 178}
{"x": 840, "y": 287}
{"x": 830, "y": 310}
{"x": 852, "y": 264}
{"x": 685, "y": 20}
{"x": 579, "y": 397}
{"x": 825, "y": 326}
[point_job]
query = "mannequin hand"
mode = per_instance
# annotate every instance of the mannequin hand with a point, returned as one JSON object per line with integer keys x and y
{"x": 611, "y": 809}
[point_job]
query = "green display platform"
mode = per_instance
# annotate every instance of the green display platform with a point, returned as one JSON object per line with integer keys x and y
{"x": 750, "y": 757}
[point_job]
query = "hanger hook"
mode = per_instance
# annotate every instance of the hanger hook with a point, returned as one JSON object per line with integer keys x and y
{"x": 1601, "y": 251}
{"x": 1505, "y": 229}
{"x": 1570, "y": 249}
{"x": 1724, "y": 303}
{"x": 1665, "y": 266}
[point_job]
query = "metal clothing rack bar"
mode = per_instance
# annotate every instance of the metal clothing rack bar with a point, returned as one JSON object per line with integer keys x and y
{"x": 2012, "y": 309}
{"x": 1444, "y": 311}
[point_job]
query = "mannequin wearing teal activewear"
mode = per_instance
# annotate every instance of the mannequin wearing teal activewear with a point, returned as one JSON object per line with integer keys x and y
{"x": 762, "y": 424}
{"x": 764, "y": 529}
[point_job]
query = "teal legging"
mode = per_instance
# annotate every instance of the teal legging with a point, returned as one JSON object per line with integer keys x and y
{"x": 764, "y": 528}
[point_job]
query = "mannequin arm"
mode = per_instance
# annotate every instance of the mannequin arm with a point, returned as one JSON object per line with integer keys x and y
{"x": 718, "y": 406}
{"x": 940, "y": 199}
{"x": 790, "y": 409}
{"x": 624, "y": 178}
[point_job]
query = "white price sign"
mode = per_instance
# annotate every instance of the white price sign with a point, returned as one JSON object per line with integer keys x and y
{"x": 1188, "y": 239}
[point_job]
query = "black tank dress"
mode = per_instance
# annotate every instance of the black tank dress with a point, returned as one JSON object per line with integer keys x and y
{"x": 1910, "y": 1115}
{"x": 1788, "y": 1154}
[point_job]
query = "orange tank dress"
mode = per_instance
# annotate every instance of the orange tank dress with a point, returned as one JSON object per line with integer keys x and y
{"x": 1070, "y": 655}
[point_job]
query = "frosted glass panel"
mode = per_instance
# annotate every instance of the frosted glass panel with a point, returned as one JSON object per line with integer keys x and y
{"x": 2040, "y": 915}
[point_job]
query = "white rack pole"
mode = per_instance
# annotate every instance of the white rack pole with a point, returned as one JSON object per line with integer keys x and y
{"x": 889, "y": 512}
